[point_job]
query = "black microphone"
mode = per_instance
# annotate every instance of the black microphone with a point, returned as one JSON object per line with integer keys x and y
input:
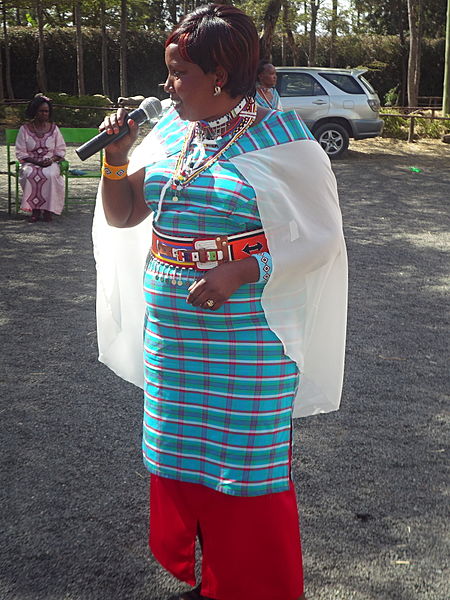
{"x": 148, "y": 109}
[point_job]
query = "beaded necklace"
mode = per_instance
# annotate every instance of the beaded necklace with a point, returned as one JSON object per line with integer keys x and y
{"x": 238, "y": 121}
{"x": 243, "y": 117}
{"x": 264, "y": 93}
{"x": 221, "y": 126}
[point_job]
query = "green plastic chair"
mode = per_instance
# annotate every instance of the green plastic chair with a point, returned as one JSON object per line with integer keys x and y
{"x": 12, "y": 167}
{"x": 78, "y": 136}
{"x": 71, "y": 135}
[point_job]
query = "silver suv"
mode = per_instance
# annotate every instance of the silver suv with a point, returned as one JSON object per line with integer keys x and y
{"x": 336, "y": 104}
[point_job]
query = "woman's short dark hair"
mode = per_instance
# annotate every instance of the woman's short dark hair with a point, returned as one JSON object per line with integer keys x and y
{"x": 261, "y": 66}
{"x": 33, "y": 106}
{"x": 220, "y": 35}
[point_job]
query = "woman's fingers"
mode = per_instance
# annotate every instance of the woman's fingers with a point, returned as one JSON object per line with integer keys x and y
{"x": 117, "y": 149}
{"x": 196, "y": 291}
{"x": 201, "y": 294}
{"x": 112, "y": 123}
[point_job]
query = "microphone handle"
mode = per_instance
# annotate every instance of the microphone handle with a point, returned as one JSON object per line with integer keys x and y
{"x": 103, "y": 139}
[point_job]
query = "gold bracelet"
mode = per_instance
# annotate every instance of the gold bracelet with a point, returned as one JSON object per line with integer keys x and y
{"x": 114, "y": 172}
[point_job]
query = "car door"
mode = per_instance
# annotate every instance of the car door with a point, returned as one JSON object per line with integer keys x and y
{"x": 303, "y": 93}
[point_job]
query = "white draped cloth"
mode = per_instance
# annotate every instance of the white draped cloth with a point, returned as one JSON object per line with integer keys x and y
{"x": 305, "y": 299}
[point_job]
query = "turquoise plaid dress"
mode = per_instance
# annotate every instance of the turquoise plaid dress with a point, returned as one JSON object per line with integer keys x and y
{"x": 262, "y": 100}
{"x": 218, "y": 387}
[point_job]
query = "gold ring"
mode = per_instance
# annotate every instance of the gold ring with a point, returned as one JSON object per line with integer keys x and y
{"x": 210, "y": 303}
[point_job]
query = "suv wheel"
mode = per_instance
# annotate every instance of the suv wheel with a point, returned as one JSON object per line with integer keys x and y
{"x": 333, "y": 138}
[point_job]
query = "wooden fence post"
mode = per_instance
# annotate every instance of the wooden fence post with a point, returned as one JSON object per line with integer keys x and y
{"x": 411, "y": 130}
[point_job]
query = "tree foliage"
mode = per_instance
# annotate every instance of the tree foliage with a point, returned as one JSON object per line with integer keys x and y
{"x": 363, "y": 16}
{"x": 387, "y": 17}
{"x": 280, "y": 24}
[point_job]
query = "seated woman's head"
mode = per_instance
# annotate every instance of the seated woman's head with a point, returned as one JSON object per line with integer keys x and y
{"x": 213, "y": 51}
{"x": 40, "y": 108}
{"x": 266, "y": 74}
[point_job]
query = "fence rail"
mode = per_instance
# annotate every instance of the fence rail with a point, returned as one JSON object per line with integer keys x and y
{"x": 21, "y": 102}
{"x": 409, "y": 109}
{"x": 429, "y": 101}
{"x": 412, "y": 116}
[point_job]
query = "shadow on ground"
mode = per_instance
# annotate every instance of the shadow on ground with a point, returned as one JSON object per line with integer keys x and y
{"x": 370, "y": 477}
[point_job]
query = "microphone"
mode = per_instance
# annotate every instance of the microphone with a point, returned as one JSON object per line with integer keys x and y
{"x": 148, "y": 109}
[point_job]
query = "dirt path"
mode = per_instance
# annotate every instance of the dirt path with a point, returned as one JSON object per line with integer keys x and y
{"x": 370, "y": 477}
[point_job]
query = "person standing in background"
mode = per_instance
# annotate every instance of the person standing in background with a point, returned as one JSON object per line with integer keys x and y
{"x": 266, "y": 80}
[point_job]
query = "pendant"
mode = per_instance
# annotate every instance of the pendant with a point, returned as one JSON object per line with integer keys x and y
{"x": 174, "y": 199}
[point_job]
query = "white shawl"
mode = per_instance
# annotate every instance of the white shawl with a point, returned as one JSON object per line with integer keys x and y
{"x": 305, "y": 299}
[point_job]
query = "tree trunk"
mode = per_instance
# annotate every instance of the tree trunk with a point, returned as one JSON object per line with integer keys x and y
{"x": 334, "y": 14}
{"x": 305, "y": 22}
{"x": 172, "y": 10}
{"x": 270, "y": 21}
{"x": 283, "y": 49}
{"x": 312, "y": 33}
{"x": 123, "y": 49}
{"x": 2, "y": 86}
{"x": 7, "y": 82}
{"x": 105, "y": 80}
{"x": 356, "y": 17}
{"x": 414, "y": 14}
{"x": 446, "y": 98}
{"x": 79, "y": 45}
{"x": 41, "y": 76}
{"x": 403, "y": 56}
{"x": 289, "y": 35}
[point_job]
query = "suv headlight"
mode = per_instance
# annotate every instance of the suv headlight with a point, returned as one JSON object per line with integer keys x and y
{"x": 374, "y": 104}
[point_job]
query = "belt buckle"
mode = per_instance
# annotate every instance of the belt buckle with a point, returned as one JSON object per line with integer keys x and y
{"x": 209, "y": 253}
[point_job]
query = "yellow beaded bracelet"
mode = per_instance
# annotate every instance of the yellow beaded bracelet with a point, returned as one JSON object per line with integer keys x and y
{"x": 114, "y": 172}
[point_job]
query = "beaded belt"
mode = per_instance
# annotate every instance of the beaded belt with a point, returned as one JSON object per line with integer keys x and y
{"x": 207, "y": 253}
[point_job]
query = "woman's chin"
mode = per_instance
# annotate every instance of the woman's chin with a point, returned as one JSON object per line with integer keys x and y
{"x": 186, "y": 114}
{"x": 178, "y": 106}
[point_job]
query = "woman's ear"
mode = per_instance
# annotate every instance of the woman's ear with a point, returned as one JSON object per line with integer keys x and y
{"x": 221, "y": 76}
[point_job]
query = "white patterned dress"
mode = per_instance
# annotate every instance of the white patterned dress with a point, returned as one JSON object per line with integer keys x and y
{"x": 43, "y": 187}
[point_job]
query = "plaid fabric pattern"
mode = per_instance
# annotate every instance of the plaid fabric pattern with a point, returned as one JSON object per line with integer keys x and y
{"x": 218, "y": 386}
{"x": 262, "y": 100}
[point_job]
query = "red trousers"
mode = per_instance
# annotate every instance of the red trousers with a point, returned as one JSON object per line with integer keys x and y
{"x": 250, "y": 545}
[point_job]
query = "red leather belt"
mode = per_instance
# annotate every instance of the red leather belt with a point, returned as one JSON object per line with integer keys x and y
{"x": 207, "y": 253}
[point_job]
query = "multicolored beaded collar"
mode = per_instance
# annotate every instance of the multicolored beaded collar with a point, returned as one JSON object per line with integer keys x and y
{"x": 241, "y": 118}
{"x": 223, "y": 125}
{"x": 236, "y": 122}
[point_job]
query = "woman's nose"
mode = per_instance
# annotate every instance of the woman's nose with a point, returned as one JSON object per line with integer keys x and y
{"x": 168, "y": 85}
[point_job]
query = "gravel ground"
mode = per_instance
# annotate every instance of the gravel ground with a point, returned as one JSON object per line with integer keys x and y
{"x": 370, "y": 478}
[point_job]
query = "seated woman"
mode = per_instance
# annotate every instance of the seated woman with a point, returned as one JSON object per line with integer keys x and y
{"x": 266, "y": 92}
{"x": 40, "y": 147}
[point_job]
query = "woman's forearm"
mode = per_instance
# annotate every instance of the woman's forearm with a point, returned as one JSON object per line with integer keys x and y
{"x": 123, "y": 196}
{"x": 123, "y": 199}
{"x": 117, "y": 201}
{"x": 117, "y": 194}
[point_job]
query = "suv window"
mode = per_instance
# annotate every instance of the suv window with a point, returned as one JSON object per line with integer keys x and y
{"x": 365, "y": 83}
{"x": 299, "y": 84}
{"x": 345, "y": 83}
